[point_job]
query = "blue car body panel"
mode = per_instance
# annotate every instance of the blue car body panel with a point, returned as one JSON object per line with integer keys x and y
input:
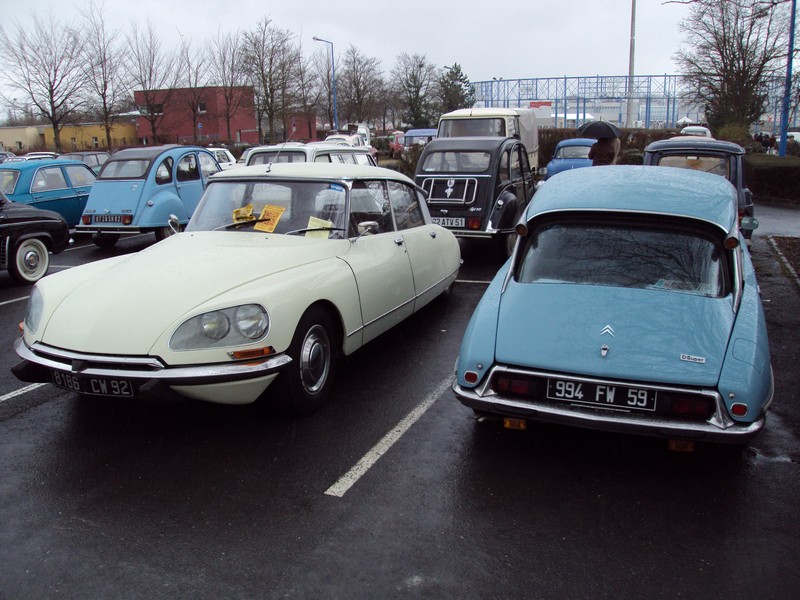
{"x": 715, "y": 347}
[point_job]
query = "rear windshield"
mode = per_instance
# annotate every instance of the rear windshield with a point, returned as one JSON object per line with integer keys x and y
{"x": 634, "y": 253}
{"x": 719, "y": 165}
{"x": 134, "y": 168}
{"x": 573, "y": 152}
{"x": 284, "y": 156}
{"x": 492, "y": 127}
{"x": 8, "y": 180}
{"x": 457, "y": 162}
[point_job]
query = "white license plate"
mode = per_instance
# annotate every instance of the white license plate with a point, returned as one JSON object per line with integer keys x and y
{"x": 96, "y": 386}
{"x": 108, "y": 218}
{"x": 599, "y": 394}
{"x": 448, "y": 221}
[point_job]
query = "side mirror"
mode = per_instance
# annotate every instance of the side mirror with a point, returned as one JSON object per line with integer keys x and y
{"x": 748, "y": 224}
{"x": 367, "y": 227}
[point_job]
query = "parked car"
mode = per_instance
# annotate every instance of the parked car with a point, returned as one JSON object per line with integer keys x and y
{"x": 38, "y": 155}
{"x": 570, "y": 154}
{"x": 633, "y": 308}
{"x": 324, "y": 152}
{"x": 224, "y": 158}
{"x": 139, "y": 188}
{"x": 697, "y": 131}
{"x": 5, "y": 155}
{"x": 59, "y": 185}
{"x": 279, "y": 272}
{"x": 94, "y": 160}
{"x": 396, "y": 143}
{"x": 418, "y": 137}
{"x": 709, "y": 155}
{"x": 28, "y": 236}
{"x": 476, "y": 186}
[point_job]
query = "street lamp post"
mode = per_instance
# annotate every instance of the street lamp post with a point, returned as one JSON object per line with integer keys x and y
{"x": 333, "y": 82}
{"x": 788, "y": 85}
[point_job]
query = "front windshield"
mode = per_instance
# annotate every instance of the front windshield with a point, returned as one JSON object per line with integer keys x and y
{"x": 573, "y": 152}
{"x": 457, "y": 162}
{"x": 124, "y": 169}
{"x": 8, "y": 180}
{"x": 308, "y": 208}
{"x": 634, "y": 253}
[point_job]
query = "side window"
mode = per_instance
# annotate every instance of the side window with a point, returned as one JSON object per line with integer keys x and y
{"x": 323, "y": 158}
{"x": 407, "y": 212}
{"x": 208, "y": 166}
{"x": 514, "y": 165}
{"x": 80, "y": 176}
{"x": 362, "y": 159}
{"x": 502, "y": 169}
{"x": 164, "y": 172}
{"x": 50, "y": 178}
{"x": 368, "y": 202}
{"x": 187, "y": 169}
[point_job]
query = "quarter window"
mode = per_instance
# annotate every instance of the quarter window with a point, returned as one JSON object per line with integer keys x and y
{"x": 164, "y": 171}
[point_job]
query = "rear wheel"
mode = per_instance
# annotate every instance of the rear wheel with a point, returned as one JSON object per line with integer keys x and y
{"x": 105, "y": 240}
{"x": 309, "y": 377}
{"x": 31, "y": 261}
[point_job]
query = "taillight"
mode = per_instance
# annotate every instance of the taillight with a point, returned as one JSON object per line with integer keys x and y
{"x": 127, "y": 219}
{"x": 86, "y": 219}
{"x": 474, "y": 223}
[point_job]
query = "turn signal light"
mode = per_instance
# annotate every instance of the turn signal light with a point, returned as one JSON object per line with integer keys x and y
{"x": 252, "y": 353}
{"x": 519, "y": 424}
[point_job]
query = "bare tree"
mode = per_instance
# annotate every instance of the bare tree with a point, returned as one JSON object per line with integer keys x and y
{"x": 416, "y": 80}
{"x": 732, "y": 47}
{"x": 269, "y": 57}
{"x": 193, "y": 73}
{"x": 46, "y": 65}
{"x": 306, "y": 91}
{"x": 104, "y": 68}
{"x": 153, "y": 71}
{"x": 359, "y": 86}
{"x": 321, "y": 64}
{"x": 227, "y": 69}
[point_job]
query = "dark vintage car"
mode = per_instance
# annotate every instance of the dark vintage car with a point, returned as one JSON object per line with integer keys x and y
{"x": 708, "y": 155}
{"x": 27, "y": 237}
{"x": 477, "y": 186}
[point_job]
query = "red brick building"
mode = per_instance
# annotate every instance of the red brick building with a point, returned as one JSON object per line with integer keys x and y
{"x": 178, "y": 125}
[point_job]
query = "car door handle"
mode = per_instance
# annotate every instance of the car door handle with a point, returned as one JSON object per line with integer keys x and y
{"x": 398, "y": 241}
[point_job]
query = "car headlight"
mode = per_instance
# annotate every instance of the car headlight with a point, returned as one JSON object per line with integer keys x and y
{"x": 33, "y": 312}
{"x": 220, "y": 328}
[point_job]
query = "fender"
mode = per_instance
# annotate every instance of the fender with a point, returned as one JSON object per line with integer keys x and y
{"x": 505, "y": 211}
{"x": 157, "y": 210}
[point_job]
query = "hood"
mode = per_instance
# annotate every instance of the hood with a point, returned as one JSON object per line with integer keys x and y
{"x": 652, "y": 335}
{"x": 123, "y": 305}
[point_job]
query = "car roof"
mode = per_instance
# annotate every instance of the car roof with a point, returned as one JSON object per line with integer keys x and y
{"x": 32, "y": 165}
{"x": 481, "y": 112}
{"x": 688, "y": 142}
{"x": 485, "y": 144}
{"x": 150, "y": 152}
{"x": 576, "y": 142}
{"x": 413, "y": 132}
{"x": 643, "y": 189}
{"x": 311, "y": 149}
{"x": 312, "y": 170}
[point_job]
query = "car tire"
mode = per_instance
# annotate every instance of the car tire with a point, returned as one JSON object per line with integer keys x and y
{"x": 30, "y": 261}
{"x": 163, "y": 233}
{"x": 105, "y": 240}
{"x": 307, "y": 381}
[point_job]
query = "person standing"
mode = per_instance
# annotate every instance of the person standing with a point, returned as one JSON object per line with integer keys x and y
{"x": 604, "y": 151}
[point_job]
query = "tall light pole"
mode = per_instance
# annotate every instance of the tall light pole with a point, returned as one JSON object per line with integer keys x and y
{"x": 629, "y": 117}
{"x": 787, "y": 92}
{"x": 333, "y": 82}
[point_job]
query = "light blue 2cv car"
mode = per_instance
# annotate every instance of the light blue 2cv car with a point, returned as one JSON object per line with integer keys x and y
{"x": 138, "y": 189}
{"x": 630, "y": 304}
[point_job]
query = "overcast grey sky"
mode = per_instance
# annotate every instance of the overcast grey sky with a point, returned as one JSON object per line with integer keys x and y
{"x": 507, "y": 38}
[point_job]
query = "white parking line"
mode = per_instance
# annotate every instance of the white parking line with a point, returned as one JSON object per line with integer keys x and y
{"x": 21, "y": 391}
{"x": 349, "y": 479}
{"x": 14, "y": 300}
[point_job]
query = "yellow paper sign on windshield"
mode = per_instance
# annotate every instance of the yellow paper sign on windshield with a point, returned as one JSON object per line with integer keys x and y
{"x": 313, "y": 223}
{"x": 243, "y": 214}
{"x": 269, "y": 218}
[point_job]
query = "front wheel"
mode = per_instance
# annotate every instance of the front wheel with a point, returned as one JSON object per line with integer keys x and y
{"x": 31, "y": 261}
{"x": 309, "y": 377}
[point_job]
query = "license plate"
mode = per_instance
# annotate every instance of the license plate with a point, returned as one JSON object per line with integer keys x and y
{"x": 97, "y": 386}
{"x": 448, "y": 221}
{"x": 601, "y": 395}
{"x": 108, "y": 218}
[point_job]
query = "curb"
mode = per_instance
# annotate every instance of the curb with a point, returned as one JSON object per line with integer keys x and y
{"x": 783, "y": 260}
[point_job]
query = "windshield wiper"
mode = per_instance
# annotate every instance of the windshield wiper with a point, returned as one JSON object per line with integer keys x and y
{"x": 237, "y": 224}
{"x": 307, "y": 229}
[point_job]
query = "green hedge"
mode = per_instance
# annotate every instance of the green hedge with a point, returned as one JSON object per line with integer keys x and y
{"x": 773, "y": 178}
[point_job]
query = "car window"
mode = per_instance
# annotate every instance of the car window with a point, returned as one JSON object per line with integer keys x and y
{"x": 208, "y": 166}
{"x": 263, "y": 158}
{"x": 80, "y": 175}
{"x": 514, "y": 164}
{"x": 8, "y": 180}
{"x": 405, "y": 204}
{"x": 46, "y": 179}
{"x": 502, "y": 168}
{"x": 134, "y": 168}
{"x": 164, "y": 171}
{"x": 573, "y": 152}
{"x": 187, "y": 169}
{"x": 221, "y": 156}
{"x": 362, "y": 159}
{"x": 323, "y": 158}
{"x": 719, "y": 165}
{"x": 368, "y": 202}
{"x": 457, "y": 162}
{"x": 636, "y": 253}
